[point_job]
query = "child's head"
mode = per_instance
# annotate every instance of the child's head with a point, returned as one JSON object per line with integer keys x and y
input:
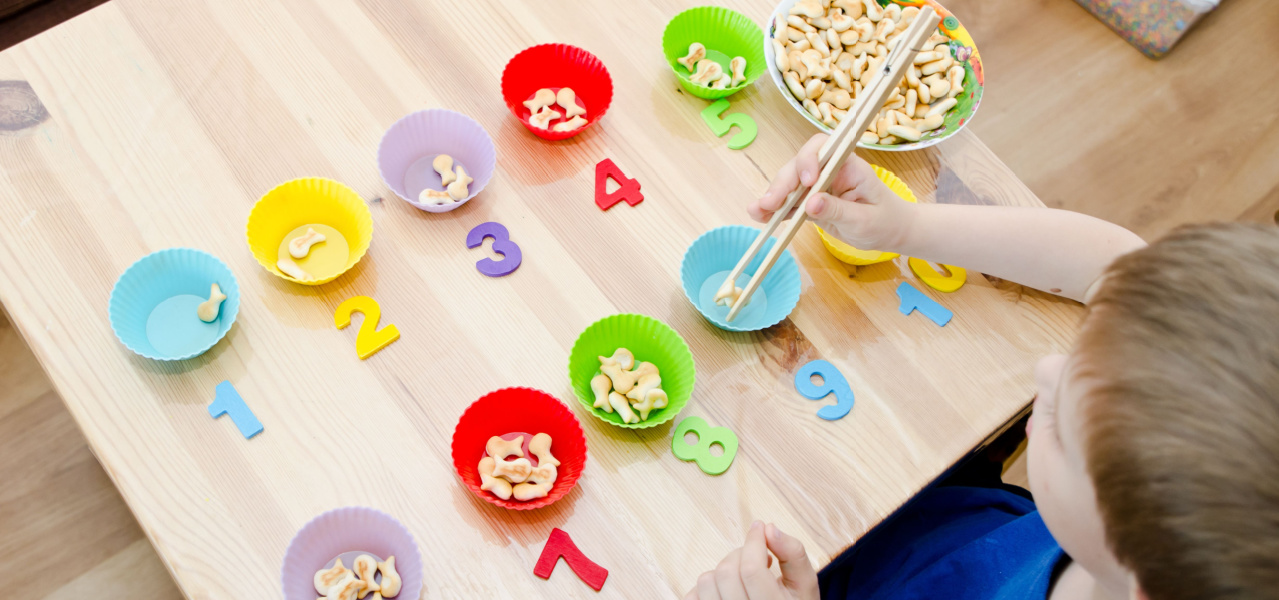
{"x": 1154, "y": 450}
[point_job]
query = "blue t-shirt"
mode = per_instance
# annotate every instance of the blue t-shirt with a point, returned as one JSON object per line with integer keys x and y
{"x": 957, "y": 543}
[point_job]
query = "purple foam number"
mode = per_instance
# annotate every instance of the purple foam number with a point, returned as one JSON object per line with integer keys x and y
{"x": 227, "y": 401}
{"x": 502, "y": 244}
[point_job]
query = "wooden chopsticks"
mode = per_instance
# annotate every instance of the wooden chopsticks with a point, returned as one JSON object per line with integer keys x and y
{"x": 833, "y": 154}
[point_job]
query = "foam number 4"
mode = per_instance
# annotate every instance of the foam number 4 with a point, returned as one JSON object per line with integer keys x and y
{"x": 628, "y": 190}
{"x": 833, "y": 382}
{"x": 720, "y": 124}
{"x": 370, "y": 339}
{"x": 227, "y": 401}
{"x": 913, "y": 299}
{"x": 502, "y": 244}
{"x": 938, "y": 281}
{"x": 701, "y": 451}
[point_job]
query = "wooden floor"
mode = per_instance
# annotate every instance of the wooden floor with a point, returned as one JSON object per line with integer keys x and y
{"x": 1086, "y": 121}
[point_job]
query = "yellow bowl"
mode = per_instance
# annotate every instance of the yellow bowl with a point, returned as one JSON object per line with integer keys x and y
{"x": 848, "y": 254}
{"x": 311, "y": 201}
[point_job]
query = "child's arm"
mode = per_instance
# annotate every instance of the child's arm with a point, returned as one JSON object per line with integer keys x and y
{"x": 1056, "y": 251}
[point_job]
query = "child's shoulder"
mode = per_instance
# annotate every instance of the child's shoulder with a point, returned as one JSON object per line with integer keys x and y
{"x": 953, "y": 542}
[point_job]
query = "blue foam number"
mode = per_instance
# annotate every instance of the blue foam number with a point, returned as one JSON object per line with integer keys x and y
{"x": 913, "y": 299}
{"x": 832, "y": 382}
{"x": 227, "y": 401}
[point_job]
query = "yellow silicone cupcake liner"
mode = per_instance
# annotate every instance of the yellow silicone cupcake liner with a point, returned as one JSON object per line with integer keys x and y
{"x": 853, "y": 256}
{"x": 309, "y": 201}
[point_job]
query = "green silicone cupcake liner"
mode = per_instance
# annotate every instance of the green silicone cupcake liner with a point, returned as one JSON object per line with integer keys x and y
{"x": 649, "y": 340}
{"x": 725, "y": 33}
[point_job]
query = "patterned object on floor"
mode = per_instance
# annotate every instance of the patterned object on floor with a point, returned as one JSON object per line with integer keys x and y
{"x": 1152, "y": 26}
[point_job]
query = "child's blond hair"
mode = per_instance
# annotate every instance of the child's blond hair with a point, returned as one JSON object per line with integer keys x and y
{"x": 1180, "y": 356}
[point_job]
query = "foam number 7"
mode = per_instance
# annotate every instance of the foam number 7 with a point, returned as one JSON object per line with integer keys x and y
{"x": 701, "y": 451}
{"x": 370, "y": 339}
{"x": 720, "y": 124}
{"x": 913, "y": 299}
{"x": 832, "y": 382}
{"x": 502, "y": 244}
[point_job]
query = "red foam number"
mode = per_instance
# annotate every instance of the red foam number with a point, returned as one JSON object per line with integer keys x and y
{"x": 559, "y": 544}
{"x": 629, "y": 190}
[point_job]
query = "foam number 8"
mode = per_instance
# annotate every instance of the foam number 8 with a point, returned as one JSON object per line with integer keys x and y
{"x": 701, "y": 451}
{"x": 832, "y": 382}
{"x": 370, "y": 339}
{"x": 720, "y": 124}
{"x": 502, "y": 244}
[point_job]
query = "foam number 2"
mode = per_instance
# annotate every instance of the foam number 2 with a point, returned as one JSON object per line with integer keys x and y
{"x": 227, "y": 401}
{"x": 502, "y": 244}
{"x": 833, "y": 382}
{"x": 370, "y": 339}
{"x": 628, "y": 189}
{"x": 719, "y": 124}
{"x": 913, "y": 299}
{"x": 938, "y": 281}
{"x": 701, "y": 451}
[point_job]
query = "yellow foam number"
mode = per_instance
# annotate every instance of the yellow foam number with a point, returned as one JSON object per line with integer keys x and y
{"x": 931, "y": 278}
{"x": 370, "y": 339}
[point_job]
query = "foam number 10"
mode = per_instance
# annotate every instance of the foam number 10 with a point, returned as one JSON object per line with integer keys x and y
{"x": 370, "y": 339}
{"x": 720, "y": 124}
{"x": 701, "y": 451}
{"x": 833, "y": 382}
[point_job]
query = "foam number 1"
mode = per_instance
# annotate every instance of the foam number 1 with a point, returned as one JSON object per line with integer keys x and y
{"x": 502, "y": 244}
{"x": 370, "y": 339}
{"x": 913, "y": 299}
{"x": 720, "y": 124}
{"x": 227, "y": 401}
{"x": 833, "y": 382}
{"x": 701, "y": 451}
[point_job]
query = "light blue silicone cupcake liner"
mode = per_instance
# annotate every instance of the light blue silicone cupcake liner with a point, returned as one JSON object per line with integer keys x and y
{"x": 174, "y": 281}
{"x": 708, "y": 261}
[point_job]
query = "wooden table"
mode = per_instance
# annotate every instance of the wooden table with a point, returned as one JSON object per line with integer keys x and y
{"x": 149, "y": 124}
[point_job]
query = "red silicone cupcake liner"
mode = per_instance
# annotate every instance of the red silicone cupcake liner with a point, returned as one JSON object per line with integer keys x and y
{"x": 557, "y": 66}
{"x": 513, "y": 410}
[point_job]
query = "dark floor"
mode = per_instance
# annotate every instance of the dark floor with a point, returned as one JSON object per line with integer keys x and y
{"x": 26, "y": 18}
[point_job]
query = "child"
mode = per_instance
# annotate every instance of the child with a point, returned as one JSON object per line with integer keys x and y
{"x": 1154, "y": 446}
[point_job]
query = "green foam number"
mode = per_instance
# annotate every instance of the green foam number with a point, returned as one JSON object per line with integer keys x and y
{"x": 720, "y": 124}
{"x": 701, "y": 451}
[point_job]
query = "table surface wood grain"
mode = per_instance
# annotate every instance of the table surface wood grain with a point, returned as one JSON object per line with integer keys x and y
{"x": 146, "y": 124}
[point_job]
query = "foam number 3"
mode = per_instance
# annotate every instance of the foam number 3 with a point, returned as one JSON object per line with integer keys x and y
{"x": 370, "y": 339}
{"x": 502, "y": 244}
{"x": 913, "y": 299}
{"x": 719, "y": 124}
{"x": 833, "y": 382}
{"x": 701, "y": 451}
{"x": 938, "y": 281}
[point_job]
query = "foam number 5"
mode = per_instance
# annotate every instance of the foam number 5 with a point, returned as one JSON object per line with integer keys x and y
{"x": 701, "y": 451}
{"x": 720, "y": 124}
{"x": 832, "y": 382}
{"x": 938, "y": 281}
{"x": 913, "y": 299}
{"x": 370, "y": 339}
{"x": 502, "y": 244}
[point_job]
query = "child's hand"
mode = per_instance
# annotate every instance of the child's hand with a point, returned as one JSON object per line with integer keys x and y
{"x": 744, "y": 574}
{"x": 860, "y": 209}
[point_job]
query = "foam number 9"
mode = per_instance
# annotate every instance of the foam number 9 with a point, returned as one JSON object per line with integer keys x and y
{"x": 502, "y": 244}
{"x": 370, "y": 339}
{"x": 832, "y": 382}
{"x": 701, "y": 451}
{"x": 721, "y": 124}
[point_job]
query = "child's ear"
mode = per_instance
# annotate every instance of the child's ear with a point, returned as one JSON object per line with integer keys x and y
{"x": 1134, "y": 589}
